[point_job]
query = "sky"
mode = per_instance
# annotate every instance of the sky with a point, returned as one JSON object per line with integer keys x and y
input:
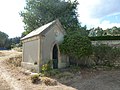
{"x": 10, "y": 20}
{"x": 93, "y": 13}
{"x": 102, "y": 13}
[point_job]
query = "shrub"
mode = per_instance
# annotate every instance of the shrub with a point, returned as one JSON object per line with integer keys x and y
{"x": 76, "y": 45}
{"x": 35, "y": 78}
{"x": 106, "y": 55}
{"x": 104, "y": 38}
{"x": 41, "y": 74}
{"x": 47, "y": 67}
{"x": 83, "y": 62}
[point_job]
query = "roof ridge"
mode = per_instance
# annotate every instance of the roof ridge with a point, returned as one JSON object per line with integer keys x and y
{"x": 40, "y": 29}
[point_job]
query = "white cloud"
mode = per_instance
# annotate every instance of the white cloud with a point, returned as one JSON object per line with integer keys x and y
{"x": 85, "y": 9}
{"x": 106, "y": 24}
{"x": 105, "y": 7}
{"x": 91, "y": 12}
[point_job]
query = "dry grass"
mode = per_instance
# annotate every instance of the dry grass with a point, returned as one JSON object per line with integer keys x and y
{"x": 19, "y": 49}
{"x": 15, "y": 60}
{"x": 48, "y": 81}
{"x": 1, "y": 54}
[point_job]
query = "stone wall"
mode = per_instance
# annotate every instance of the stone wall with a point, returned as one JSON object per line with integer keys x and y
{"x": 114, "y": 43}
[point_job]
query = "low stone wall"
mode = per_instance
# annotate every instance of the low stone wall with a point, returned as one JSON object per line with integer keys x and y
{"x": 114, "y": 43}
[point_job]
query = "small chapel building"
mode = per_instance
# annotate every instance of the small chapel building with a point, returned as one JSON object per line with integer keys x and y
{"x": 42, "y": 45}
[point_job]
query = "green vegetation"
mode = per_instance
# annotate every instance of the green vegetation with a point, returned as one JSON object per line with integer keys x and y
{"x": 47, "y": 67}
{"x": 76, "y": 45}
{"x": 104, "y": 38}
{"x": 40, "y": 12}
{"x": 15, "y": 42}
{"x": 114, "y": 31}
{"x": 35, "y": 78}
{"x": 74, "y": 68}
{"x": 106, "y": 55}
{"x": 47, "y": 70}
{"x": 8, "y": 43}
{"x": 4, "y": 41}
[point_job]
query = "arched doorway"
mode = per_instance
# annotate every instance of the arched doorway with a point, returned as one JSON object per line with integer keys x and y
{"x": 55, "y": 57}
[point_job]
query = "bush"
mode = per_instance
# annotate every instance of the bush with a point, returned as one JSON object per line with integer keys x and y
{"x": 76, "y": 45}
{"x": 35, "y": 78}
{"x": 106, "y": 55}
{"x": 47, "y": 67}
{"x": 104, "y": 38}
{"x": 83, "y": 62}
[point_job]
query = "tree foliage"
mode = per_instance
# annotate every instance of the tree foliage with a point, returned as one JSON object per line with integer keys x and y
{"x": 3, "y": 39}
{"x": 40, "y": 12}
{"x": 76, "y": 45}
{"x": 114, "y": 31}
{"x": 15, "y": 42}
{"x": 6, "y": 42}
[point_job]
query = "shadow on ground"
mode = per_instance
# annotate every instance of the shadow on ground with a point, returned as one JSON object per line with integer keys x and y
{"x": 90, "y": 80}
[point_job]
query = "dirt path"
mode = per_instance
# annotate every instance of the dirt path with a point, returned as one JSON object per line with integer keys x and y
{"x": 13, "y": 83}
{"x": 3, "y": 84}
{"x": 15, "y": 79}
{"x": 7, "y": 76}
{"x": 106, "y": 80}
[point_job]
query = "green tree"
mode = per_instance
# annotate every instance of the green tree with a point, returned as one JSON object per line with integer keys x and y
{"x": 3, "y": 39}
{"x": 40, "y": 12}
{"x": 15, "y": 42}
{"x": 96, "y": 32}
{"x": 99, "y": 31}
{"x": 115, "y": 31}
{"x": 92, "y": 32}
